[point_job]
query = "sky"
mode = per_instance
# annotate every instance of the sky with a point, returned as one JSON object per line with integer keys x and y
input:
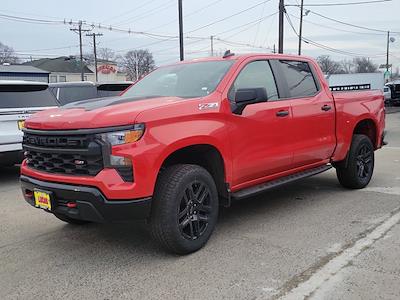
{"x": 253, "y": 30}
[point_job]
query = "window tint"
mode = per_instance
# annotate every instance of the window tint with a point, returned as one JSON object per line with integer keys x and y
{"x": 257, "y": 74}
{"x": 107, "y": 90}
{"x": 197, "y": 79}
{"x": 72, "y": 94}
{"x": 299, "y": 78}
{"x": 25, "y": 96}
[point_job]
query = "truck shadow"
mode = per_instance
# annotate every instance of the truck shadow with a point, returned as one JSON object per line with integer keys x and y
{"x": 9, "y": 174}
{"x": 133, "y": 238}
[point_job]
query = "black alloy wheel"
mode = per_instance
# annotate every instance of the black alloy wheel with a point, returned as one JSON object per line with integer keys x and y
{"x": 355, "y": 172}
{"x": 184, "y": 208}
{"x": 194, "y": 210}
{"x": 364, "y": 162}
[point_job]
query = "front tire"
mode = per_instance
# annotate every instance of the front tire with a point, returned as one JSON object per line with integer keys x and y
{"x": 184, "y": 209}
{"x": 360, "y": 164}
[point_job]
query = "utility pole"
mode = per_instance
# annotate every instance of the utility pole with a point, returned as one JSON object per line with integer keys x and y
{"x": 301, "y": 26}
{"x": 212, "y": 45}
{"x": 281, "y": 30}
{"x": 387, "y": 51}
{"x": 80, "y": 30}
{"x": 181, "y": 53}
{"x": 95, "y": 51}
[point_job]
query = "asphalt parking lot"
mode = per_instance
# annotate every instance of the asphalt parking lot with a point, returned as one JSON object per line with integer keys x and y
{"x": 310, "y": 239}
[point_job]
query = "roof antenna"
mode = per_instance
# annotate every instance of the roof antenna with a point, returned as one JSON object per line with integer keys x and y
{"x": 228, "y": 53}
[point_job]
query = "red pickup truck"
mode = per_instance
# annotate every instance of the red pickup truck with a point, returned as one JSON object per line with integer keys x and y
{"x": 192, "y": 136}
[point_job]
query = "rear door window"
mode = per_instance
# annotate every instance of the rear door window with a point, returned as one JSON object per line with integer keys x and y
{"x": 299, "y": 77}
{"x": 25, "y": 96}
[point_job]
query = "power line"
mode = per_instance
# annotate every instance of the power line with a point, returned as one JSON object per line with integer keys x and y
{"x": 252, "y": 23}
{"x": 349, "y": 24}
{"x": 322, "y": 46}
{"x": 147, "y": 13}
{"x": 129, "y": 11}
{"x": 228, "y": 17}
{"x": 342, "y": 4}
{"x": 47, "y": 49}
{"x": 338, "y": 29}
{"x": 187, "y": 15}
{"x": 258, "y": 24}
{"x": 30, "y": 20}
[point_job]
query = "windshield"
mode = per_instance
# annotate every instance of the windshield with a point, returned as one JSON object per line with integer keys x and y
{"x": 20, "y": 96}
{"x": 185, "y": 80}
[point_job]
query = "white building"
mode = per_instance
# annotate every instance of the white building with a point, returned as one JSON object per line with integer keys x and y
{"x": 68, "y": 69}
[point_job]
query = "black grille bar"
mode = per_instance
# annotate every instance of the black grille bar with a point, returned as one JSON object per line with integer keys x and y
{"x": 59, "y": 154}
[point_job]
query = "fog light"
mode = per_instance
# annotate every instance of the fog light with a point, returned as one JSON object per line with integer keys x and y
{"x": 123, "y": 165}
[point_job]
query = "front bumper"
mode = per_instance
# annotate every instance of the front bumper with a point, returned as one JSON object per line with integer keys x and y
{"x": 88, "y": 203}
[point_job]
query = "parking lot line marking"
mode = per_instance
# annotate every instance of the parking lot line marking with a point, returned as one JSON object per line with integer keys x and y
{"x": 331, "y": 270}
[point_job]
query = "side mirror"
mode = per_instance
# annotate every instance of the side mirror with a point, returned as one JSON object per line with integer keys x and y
{"x": 244, "y": 97}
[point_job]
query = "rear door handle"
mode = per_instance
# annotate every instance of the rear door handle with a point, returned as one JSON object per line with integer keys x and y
{"x": 326, "y": 107}
{"x": 282, "y": 113}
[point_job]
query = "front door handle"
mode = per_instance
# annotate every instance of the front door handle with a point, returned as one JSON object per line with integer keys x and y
{"x": 282, "y": 113}
{"x": 326, "y": 107}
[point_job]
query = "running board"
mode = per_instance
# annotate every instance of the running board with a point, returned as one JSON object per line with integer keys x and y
{"x": 251, "y": 191}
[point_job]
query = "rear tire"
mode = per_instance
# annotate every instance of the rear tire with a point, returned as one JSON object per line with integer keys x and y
{"x": 360, "y": 164}
{"x": 69, "y": 220}
{"x": 184, "y": 208}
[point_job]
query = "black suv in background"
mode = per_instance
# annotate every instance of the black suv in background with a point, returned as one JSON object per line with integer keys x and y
{"x": 67, "y": 92}
{"x": 395, "y": 92}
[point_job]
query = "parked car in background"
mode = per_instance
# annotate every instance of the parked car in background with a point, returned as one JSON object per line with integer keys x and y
{"x": 395, "y": 92}
{"x": 387, "y": 93}
{"x": 67, "y": 92}
{"x": 19, "y": 100}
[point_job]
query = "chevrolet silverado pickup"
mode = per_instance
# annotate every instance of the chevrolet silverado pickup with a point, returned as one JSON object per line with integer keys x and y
{"x": 192, "y": 136}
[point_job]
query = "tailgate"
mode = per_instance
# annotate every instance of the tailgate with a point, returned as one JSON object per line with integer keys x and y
{"x": 10, "y": 123}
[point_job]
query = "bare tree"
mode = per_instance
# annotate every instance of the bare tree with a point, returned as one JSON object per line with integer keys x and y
{"x": 347, "y": 66}
{"x": 7, "y": 55}
{"x": 105, "y": 53}
{"x": 328, "y": 65}
{"x": 138, "y": 63}
{"x": 364, "y": 65}
{"x": 88, "y": 58}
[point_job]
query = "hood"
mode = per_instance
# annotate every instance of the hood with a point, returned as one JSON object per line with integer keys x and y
{"x": 96, "y": 113}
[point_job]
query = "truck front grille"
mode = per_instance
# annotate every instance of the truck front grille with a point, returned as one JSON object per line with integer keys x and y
{"x": 63, "y": 154}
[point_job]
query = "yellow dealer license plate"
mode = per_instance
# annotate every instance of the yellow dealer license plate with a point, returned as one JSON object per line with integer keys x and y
{"x": 21, "y": 124}
{"x": 42, "y": 200}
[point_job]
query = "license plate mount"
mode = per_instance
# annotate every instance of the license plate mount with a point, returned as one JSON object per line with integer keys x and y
{"x": 42, "y": 199}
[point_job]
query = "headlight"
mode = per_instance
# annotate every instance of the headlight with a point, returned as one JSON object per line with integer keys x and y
{"x": 123, "y": 137}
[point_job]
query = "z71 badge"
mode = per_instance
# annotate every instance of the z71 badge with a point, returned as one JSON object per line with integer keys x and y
{"x": 203, "y": 106}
